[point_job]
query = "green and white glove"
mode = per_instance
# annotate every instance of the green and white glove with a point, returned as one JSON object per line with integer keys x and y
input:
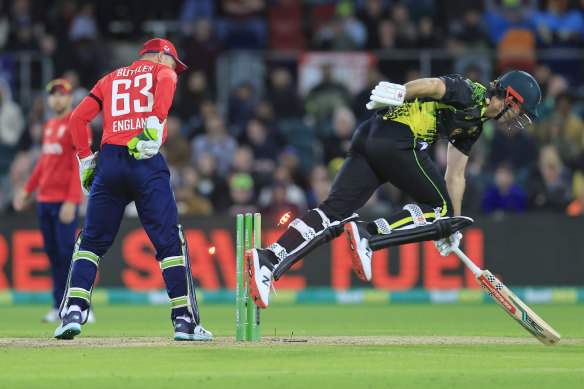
{"x": 87, "y": 167}
{"x": 147, "y": 143}
{"x": 386, "y": 94}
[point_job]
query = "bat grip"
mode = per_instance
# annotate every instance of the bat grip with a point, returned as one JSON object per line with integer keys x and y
{"x": 467, "y": 261}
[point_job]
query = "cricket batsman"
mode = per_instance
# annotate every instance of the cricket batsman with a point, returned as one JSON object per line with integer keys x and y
{"x": 392, "y": 146}
{"x": 134, "y": 101}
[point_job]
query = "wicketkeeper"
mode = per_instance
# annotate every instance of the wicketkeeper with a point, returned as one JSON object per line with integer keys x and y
{"x": 392, "y": 146}
{"x": 134, "y": 101}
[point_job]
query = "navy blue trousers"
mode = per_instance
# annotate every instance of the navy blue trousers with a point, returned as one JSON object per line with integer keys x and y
{"x": 119, "y": 180}
{"x": 59, "y": 239}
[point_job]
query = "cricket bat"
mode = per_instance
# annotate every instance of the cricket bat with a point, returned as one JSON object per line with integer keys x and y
{"x": 524, "y": 315}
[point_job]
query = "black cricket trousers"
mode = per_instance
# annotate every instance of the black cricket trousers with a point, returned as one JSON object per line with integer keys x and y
{"x": 386, "y": 151}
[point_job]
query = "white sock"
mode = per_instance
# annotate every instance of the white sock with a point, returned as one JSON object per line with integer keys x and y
{"x": 74, "y": 308}
{"x": 187, "y": 318}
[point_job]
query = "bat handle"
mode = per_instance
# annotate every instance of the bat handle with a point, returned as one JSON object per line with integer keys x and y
{"x": 477, "y": 271}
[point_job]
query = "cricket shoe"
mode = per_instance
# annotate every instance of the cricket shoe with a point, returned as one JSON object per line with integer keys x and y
{"x": 259, "y": 271}
{"x": 70, "y": 327}
{"x": 52, "y": 316}
{"x": 358, "y": 238}
{"x": 185, "y": 330}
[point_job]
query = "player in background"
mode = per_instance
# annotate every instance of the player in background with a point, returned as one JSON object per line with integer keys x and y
{"x": 392, "y": 146}
{"x": 134, "y": 101}
{"x": 56, "y": 176}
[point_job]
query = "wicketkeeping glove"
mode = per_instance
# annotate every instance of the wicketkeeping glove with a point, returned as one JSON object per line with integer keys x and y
{"x": 87, "y": 172}
{"x": 386, "y": 94}
{"x": 446, "y": 245}
{"x": 147, "y": 143}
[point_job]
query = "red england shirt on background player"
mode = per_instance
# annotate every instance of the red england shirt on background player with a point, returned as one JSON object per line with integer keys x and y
{"x": 56, "y": 175}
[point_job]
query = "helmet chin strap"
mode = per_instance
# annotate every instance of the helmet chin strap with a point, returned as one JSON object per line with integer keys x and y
{"x": 507, "y": 106}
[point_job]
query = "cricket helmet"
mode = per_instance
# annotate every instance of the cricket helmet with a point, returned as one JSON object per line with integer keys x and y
{"x": 518, "y": 88}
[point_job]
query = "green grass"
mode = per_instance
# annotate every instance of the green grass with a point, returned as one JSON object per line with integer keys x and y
{"x": 307, "y": 365}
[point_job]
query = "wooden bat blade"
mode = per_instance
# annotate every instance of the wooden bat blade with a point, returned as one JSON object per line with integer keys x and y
{"x": 524, "y": 315}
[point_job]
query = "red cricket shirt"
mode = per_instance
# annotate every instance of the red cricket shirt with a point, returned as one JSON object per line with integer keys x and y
{"x": 126, "y": 96}
{"x": 56, "y": 175}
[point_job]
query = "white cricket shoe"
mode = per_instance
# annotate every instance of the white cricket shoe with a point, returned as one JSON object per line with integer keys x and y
{"x": 52, "y": 316}
{"x": 259, "y": 271}
{"x": 358, "y": 238}
{"x": 91, "y": 316}
{"x": 187, "y": 330}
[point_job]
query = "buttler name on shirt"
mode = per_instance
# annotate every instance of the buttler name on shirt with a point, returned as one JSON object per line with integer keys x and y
{"x": 128, "y": 124}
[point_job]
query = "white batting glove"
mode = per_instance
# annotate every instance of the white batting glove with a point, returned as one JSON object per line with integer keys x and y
{"x": 147, "y": 143}
{"x": 445, "y": 246}
{"x": 87, "y": 167}
{"x": 386, "y": 94}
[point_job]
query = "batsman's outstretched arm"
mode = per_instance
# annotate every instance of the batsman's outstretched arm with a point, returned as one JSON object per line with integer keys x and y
{"x": 425, "y": 87}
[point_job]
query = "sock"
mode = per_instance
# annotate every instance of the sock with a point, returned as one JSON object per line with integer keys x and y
{"x": 291, "y": 239}
{"x": 186, "y": 318}
{"x": 74, "y": 308}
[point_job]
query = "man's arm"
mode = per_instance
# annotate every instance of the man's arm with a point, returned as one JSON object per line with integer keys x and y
{"x": 455, "y": 182}
{"x": 85, "y": 112}
{"x": 425, "y": 87}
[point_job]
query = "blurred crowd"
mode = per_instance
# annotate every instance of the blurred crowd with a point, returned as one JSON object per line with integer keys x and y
{"x": 269, "y": 147}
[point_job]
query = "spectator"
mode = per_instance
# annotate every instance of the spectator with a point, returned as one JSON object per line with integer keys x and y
{"x": 371, "y": 15}
{"x": 242, "y": 104}
{"x": 336, "y": 145}
{"x": 196, "y": 92}
{"x": 501, "y": 15}
{"x": 405, "y": 30}
{"x": 202, "y": 49}
{"x": 470, "y": 30}
{"x": 193, "y": 9}
{"x": 242, "y": 194}
{"x": 216, "y": 141}
{"x": 290, "y": 161}
{"x": 196, "y": 124}
{"x": 243, "y": 160}
{"x": 176, "y": 149}
{"x": 188, "y": 201}
{"x": 264, "y": 112}
{"x": 18, "y": 173}
{"x": 549, "y": 187}
{"x": 79, "y": 91}
{"x": 278, "y": 204}
{"x": 428, "y": 37}
{"x": 264, "y": 146}
{"x": 319, "y": 186}
{"x": 504, "y": 195}
{"x": 328, "y": 94}
{"x": 342, "y": 32}
{"x": 514, "y": 146}
{"x": 394, "y": 69}
{"x": 84, "y": 25}
{"x": 282, "y": 180}
{"x": 211, "y": 186}
{"x": 564, "y": 129}
{"x": 282, "y": 93}
{"x": 374, "y": 76}
{"x": 242, "y": 26}
{"x": 11, "y": 118}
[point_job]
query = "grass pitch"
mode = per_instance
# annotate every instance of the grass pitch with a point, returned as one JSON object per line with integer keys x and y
{"x": 362, "y": 346}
